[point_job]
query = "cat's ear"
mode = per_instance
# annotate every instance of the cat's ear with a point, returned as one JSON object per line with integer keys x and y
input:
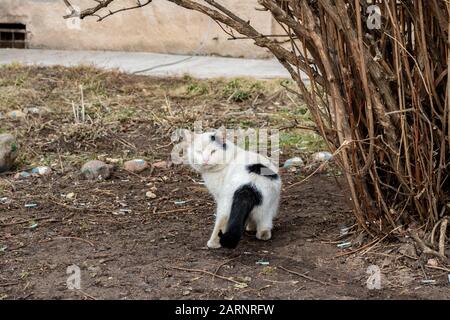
{"x": 186, "y": 135}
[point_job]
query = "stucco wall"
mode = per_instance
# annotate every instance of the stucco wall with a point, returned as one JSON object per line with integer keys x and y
{"x": 160, "y": 27}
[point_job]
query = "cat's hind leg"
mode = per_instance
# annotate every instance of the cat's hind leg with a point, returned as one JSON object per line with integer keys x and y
{"x": 264, "y": 233}
{"x": 263, "y": 218}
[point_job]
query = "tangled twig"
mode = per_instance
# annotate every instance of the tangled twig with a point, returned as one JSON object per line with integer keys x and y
{"x": 424, "y": 248}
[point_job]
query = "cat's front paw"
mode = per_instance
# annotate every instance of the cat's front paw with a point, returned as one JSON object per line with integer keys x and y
{"x": 213, "y": 244}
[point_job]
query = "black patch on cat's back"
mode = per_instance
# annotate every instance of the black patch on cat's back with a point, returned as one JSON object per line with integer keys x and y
{"x": 262, "y": 170}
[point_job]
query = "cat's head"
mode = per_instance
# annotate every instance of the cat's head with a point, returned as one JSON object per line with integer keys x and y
{"x": 206, "y": 151}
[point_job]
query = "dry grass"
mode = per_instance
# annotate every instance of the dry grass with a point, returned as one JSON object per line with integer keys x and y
{"x": 115, "y": 102}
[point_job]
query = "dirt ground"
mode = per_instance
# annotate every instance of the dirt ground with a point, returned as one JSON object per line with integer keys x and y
{"x": 156, "y": 249}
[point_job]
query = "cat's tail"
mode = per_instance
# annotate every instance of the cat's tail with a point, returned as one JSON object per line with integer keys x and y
{"x": 244, "y": 200}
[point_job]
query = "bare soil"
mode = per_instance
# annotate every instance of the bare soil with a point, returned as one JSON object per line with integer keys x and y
{"x": 157, "y": 248}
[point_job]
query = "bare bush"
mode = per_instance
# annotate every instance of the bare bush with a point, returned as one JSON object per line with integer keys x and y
{"x": 377, "y": 94}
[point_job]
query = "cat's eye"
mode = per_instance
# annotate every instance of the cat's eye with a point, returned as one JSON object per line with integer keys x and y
{"x": 213, "y": 151}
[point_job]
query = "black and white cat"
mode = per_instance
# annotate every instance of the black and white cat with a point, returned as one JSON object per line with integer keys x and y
{"x": 244, "y": 184}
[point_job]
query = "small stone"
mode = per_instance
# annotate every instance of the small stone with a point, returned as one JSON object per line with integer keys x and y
{"x": 322, "y": 156}
{"x": 150, "y": 195}
{"x": 186, "y": 292}
{"x": 161, "y": 164}
{"x": 8, "y": 151}
{"x": 41, "y": 171}
{"x": 70, "y": 195}
{"x": 113, "y": 160}
{"x": 245, "y": 279}
{"x": 432, "y": 262}
{"x": 22, "y": 175}
{"x": 241, "y": 285}
{"x": 96, "y": 170}
{"x": 136, "y": 165}
{"x": 32, "y": 110}
{"x": 293, "y": 162}
{"x": 36, "y": 110}
{"x": 16, "y": 114}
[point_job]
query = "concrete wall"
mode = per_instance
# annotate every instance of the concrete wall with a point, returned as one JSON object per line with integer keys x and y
{"x": 160, "y": 27}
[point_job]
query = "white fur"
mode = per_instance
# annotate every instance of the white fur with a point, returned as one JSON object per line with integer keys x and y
{"x": 224, "y": 171}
